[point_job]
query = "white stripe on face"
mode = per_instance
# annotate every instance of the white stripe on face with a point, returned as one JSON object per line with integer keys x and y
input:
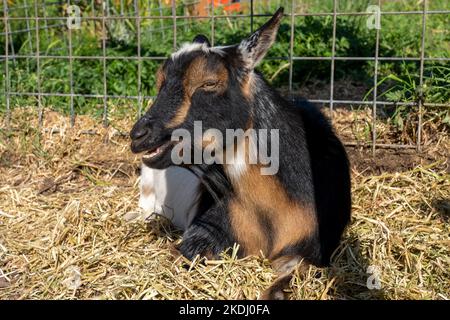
{"x": 190, "y": 47}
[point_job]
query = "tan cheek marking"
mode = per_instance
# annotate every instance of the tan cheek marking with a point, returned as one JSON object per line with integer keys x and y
{"x": 291, "y": 221}
{"x": 181, "y": 114}
{"x": 195, "y": 75}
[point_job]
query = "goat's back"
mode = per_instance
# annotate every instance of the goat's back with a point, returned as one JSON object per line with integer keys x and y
{"x": 331, "y": 177}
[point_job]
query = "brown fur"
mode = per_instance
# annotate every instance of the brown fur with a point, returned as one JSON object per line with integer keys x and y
{"x": 248, "y": 233}
{"x": 263, "y": 197}
{"x": 181, "y": 114}
{"x": 246, "y": 87}
{"x": 147, "y": 190}
{"x": 196, "y": 75}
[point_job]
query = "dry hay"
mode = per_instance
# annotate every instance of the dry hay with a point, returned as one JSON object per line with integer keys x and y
{"x": 67, "y": 197}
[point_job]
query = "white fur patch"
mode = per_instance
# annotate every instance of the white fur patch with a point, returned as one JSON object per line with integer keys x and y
{"x": 190, "y": 47}
{"x": 238, "y": 167}
{"x": 176, "y": 194}
{"x": 246, "y": 153}
{"x": 147, "y": 202}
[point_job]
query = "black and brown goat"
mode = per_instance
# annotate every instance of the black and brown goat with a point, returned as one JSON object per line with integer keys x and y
{"x": 296, "y": 215}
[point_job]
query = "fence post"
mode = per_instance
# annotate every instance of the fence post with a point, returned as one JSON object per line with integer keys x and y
{"x": 7, "y": 82}
{"x": 105, "y": 89}
{"x": 421, "y": 93}
{"x": 138, "y": 30}
{"x": 38, "y": 66}
{"x": 291, "y": 46}
{"x": 375, "y": 85}
{"x": 333, "y": 53}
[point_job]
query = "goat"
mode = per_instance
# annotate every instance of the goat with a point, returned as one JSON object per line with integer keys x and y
{"x": 295, "y": 216}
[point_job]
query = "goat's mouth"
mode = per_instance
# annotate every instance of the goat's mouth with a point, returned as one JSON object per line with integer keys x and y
{"x": 155, "y": 155}
{"x": 156, "y": 151}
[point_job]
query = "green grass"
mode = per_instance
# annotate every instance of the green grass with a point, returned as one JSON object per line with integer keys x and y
{"x": 399, "y": 37}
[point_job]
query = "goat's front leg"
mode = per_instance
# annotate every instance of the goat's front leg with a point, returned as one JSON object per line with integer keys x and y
{"x": 209, "y": 234}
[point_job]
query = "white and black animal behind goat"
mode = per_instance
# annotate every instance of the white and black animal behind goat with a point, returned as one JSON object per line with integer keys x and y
{"x": 297, "y": 214}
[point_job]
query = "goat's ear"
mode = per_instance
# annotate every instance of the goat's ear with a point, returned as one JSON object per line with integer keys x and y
{"x": 254, "y": 48}
{"x": 200, "y": 38}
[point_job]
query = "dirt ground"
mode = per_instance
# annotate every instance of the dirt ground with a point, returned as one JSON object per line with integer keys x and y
{"x": 70, "y": 226}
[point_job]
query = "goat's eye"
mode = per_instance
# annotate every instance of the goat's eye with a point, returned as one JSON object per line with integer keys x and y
{"x": 210, "y": 84}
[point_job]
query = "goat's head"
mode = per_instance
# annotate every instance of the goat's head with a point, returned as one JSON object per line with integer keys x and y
{"x": 202, "y": 83}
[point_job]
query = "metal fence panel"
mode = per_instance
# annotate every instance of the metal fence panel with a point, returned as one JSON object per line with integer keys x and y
{"x": 37, "y": 20}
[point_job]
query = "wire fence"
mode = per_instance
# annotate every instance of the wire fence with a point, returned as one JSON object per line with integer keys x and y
{"x": 163, "y": 21}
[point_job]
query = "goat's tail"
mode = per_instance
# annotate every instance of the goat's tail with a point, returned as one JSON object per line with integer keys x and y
{"x": 285, "y": 267}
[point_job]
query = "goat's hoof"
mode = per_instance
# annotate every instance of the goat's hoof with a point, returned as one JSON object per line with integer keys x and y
{"x": 174, "y": 252}
{"x": 270, "y": 294}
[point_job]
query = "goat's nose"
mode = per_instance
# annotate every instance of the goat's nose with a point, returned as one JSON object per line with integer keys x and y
{"x": 139, "y": 132}
{"x": 140, "y": 129}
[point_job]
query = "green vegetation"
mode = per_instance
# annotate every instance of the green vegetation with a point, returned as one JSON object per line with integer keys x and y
{"x": 400, "y": 36}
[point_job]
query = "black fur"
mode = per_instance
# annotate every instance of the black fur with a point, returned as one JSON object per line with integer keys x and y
{"x": 313, "y": 167}
{"x": 331, "y": 178}
{"x": 209, "y": 234}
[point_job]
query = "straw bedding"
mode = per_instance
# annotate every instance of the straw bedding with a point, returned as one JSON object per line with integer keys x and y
{"x": 70, "y": 227}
